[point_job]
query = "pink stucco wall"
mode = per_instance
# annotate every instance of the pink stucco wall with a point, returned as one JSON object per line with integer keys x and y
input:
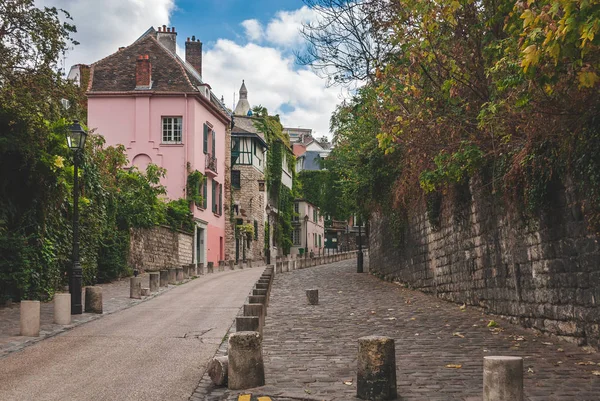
{"x": 136, "y": 122}
{"x": 311, "y": 228}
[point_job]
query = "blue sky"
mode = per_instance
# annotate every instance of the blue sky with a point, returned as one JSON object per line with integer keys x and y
{"x": 242, "y": 40}
{"x": 214, "y": 19}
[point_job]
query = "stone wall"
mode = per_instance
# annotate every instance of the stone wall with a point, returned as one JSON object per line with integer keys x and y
{"x": 543, "y": 274}
{"x": 153, "y": 249}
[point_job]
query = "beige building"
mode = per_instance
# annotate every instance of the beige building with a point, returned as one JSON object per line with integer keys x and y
{"x": 245, "y": 234}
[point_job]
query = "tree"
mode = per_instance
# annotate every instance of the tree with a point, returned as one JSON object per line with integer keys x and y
{"x": 342, "y": 43}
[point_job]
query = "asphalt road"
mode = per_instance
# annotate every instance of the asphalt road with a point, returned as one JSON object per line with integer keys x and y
{"x": 156, "y": 350}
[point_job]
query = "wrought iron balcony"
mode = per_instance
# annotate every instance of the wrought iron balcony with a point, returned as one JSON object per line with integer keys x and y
{"x": 211, "y": 164}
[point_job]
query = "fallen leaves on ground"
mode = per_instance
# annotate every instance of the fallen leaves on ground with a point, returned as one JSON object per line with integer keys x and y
{"x": 596, "y": 372}
{"x": 348, "y": 382}
{"x": 547, "y": 343}
{"x": 586, "y": 363}
{"x": 457, "y": 334}
{"x": 529, "y": 370}
{"x": 492, "y": 323}
{"x": 390, "y": 318}
{"x": 453, "y": 366}
{"x": 463, "y": 307}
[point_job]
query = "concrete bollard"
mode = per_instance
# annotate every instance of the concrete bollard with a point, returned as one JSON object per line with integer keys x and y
{"x": 62, "y": 308}
{"x": 278, "y": 268}
{"x": 173, "y": 276}
{"x": 249, "y": 263}
{"x": 231, "y": 264}
{"x": 248, "y": 323}
{"x": 217, "y": 370}
{"x": 164, "y": 278}
{"x": 93, "y": 299}
{"x": 221, "y": 265}
{"x": 255, "y": 310}
{"x": 312, "y": 296}
{"x": 30, "y": 318}
{"x": 502, "y": 378}
{"x": 145, "y": 292}
{"x": 246, "y": 368}
{"x": 265, "y": 293}
{"x": 154, "y": 281}
{"x": 201, "y": 270}
{"x": 186, "y": 272}
{"x": 179, "y": 274}
{"x": 135, "y": 287}
{"x": 376, "y": 370}
{"x": 210, "y": 267}
{"x": 193, "y": 270}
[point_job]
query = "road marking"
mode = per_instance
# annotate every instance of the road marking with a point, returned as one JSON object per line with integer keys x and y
{"x": 245, "y": 397}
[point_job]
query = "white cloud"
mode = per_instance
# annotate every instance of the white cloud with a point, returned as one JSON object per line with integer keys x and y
{"x": 283, "y": 30}
{"x": 272, "y": 81}
{"x": 254, "y": 31}
{"x": 104, "y": 26}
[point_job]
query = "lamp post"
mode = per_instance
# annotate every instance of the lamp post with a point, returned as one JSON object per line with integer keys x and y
{"x": 268, "y": 210}
{"x": 359, "y": 256}
{"x": 76, "y": 137}
{"x": 305, "y": 236}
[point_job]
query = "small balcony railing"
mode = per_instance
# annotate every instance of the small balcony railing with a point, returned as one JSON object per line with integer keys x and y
{"x": 211, "y": 164}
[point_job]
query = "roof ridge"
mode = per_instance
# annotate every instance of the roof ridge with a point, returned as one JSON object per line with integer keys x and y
{"x": 176, "y": 59}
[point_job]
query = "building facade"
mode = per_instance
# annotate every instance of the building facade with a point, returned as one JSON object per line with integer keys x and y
{"x": 156, "y": 104}
{"x": 308, "y": 229}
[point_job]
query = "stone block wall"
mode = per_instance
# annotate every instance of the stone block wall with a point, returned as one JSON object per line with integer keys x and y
{"x": 153, "y": 249}
{"x": 542, "y": 273}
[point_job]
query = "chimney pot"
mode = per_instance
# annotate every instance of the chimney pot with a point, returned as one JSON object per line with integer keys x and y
{"x": 164, "y": 28}
{"x": 173, "y": 29}
{"x": 193, "y": 38}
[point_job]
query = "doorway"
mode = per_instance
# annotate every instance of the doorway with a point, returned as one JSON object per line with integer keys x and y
{"x": 200, "y": 245}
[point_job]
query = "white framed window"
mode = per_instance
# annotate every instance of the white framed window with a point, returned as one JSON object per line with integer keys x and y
{"x": 296, "y": 236}
{"x": 171, "y": 129}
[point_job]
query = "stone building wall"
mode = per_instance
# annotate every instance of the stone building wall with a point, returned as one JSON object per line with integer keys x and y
{"x": 229, "y": 234}
{"x": 250, "y": 203}
{"x": 153, "y": 249}
{"x": 543, "y": 274}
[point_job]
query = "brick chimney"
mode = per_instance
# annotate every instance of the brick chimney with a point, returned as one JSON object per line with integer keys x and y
{"x": 193, "y": 53}
{"x": 168, "y": 38}
{"x": 143, "y": 73}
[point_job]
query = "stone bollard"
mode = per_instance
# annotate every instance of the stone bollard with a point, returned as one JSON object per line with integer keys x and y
{"x": 179, "y": 274}
{"x": 145, "y": 292}
{"x": 93, "y": 299}
{"x": 376, "y": 370}
{"x": 221, "y": 265}
{"x": 246, "y": 368}
{"x": 313, "y": 296}
{"x": 217, "y": 370}
{"x": 502, "y": 378}
{"x": 164, "y": 278}
{"x": 154, "y": 281}
{"x": 259, "y": 299}
{"x": 193, "y": 270}
{"x": 186, "y": 272}
{"x": 201, "y": 269}
{"x": 210, "y": 267}
{"x": 30, "y": 318}
{"x": 172, "y": 276}
{"x": 231, "y": 264}
{"x": 278, "y": 268}
{"x": 249, "y": 263}
{"x": 62, "y": 308}
{"x": 135, "y": 287}
{"x": 255, "y": 310}
{"x": 265, "y": 293}
{"x": 248, "y": 323}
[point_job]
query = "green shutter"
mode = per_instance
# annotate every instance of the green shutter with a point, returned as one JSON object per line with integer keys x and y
{"x": 205, "y": 193}
{"x": 214, "y": 197}
{"x": 220, "y": 199}
{"x": 214, "y": 152}
{"x": 205, "y": 142}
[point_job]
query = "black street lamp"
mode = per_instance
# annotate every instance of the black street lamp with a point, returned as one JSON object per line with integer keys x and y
{"x": 76, "y": 137}
{"x": 305, "y": 236}
{"x": 359, "y": 256}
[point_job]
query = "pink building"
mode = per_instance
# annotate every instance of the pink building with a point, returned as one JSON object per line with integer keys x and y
{"x": 309, "y": 228}
{"x": 147, "y": 98}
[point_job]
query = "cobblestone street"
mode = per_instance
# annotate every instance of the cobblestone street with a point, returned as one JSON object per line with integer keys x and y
{"x": 310, "y": 351}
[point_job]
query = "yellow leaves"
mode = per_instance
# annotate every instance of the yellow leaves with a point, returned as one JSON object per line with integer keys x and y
{"x": 528, "y": 17}
{"x": 453, "y": 366}
{"x": 59, "y": 162}
{"x": 587, "y": 79}
{"x": 531, "y": 57}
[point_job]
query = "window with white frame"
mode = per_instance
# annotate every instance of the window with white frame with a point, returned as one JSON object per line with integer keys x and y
{"x": 296, "y": 236}
{"x": 296, "y": 211}
{"x": 171, "y": 129}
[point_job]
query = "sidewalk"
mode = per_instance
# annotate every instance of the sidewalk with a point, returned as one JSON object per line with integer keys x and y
{"x": 115, "y": 297}
{"x": 310, "y": 351}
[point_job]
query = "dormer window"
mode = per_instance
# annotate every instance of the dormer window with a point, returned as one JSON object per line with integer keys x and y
{"x": 171, "y": 129}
